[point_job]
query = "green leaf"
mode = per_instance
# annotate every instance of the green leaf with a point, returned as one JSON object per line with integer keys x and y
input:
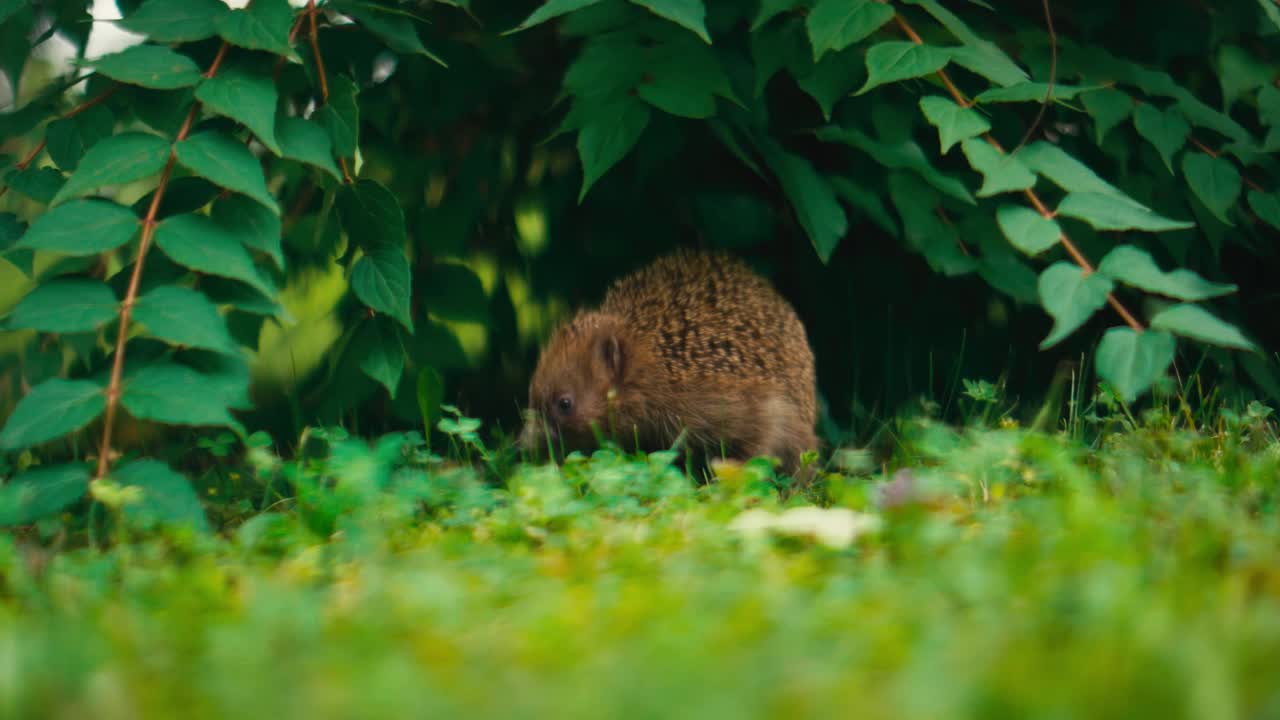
{"x": 683, "y": 79}
{"x": 1135, "y": 267}
{"x": 341, "y": 116}
{"x": 926, "y": 233}
{"x": 609, "y": 134}
{"x": 175, "y": 21}
{"x": 1166, "y": 130}
{"x": 430, "y": 392}
{"x": 811, "y": 196}
{"x": 167, "y": 497}
{"x": 67, "y": 305}
{"x": 10, "y": 230}
{"x": 901, "y": 60}
{"x": 831, "y": 79}
{"x": 550, "y": 10}
{"x": 690, "y": 14}
{"x": 864, "y": 199}
{"x": 371, "y": 215}
{"x": 62, "y": 138}
{"x": 174, "y": 395}
{"x": 52, "y": 409}
{"x": 1027, "y": 230}
{"x": 307, "y": 142}
{"x": 150, "y": 66}
{"x": 1052, "y": 162}
{"x": 1266, "y": 206}
{"x": 257, "y": 227}
{"x": 834, "y": 25}
{"x": 1032, "y": 92}
{"x": 382, "y": 354}
{"x": 1070, "y": 297}
{"x": 38, "y": 183}
{"x": 1240, "y": 72}
{"x": 977, "y": 55}
{"x": 196, "y": 242}
{"x": 1269, "y": 103}
{"x": 82, "y": 227}
{"x": 41, "y": 492}
{"x": 1107, "y": 212}
{"x": 1108, "y": 107}
{"x": 954, "y": 123}
{"x": 904, "y": 154}
{"x": 1196, "y": 323}
{"x": 117, "y": 160}
{"x": 1215, "y": 181}
{"x": 1132, "y": 362}
{"x": 247, "y": 97}
{"x": 182, "y": 316}
{"x": 1000, "y": 172}
{"x": 263, "y": 25}
{"x": 395, "y": 29}
{"x": 227, "y": 163}
{"x": 381, "y": 281}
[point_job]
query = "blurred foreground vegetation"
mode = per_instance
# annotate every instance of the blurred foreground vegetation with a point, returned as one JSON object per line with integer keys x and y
{"x": 991, "y": 572}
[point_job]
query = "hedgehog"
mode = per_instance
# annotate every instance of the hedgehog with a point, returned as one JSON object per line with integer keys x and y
{"x": 695, "y": 346}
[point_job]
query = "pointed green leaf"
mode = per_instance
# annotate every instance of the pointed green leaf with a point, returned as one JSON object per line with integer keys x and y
{"x": 62, "y": 140}
{"x": 1193, "y": 321}
{"x": 183, "y": 316}
{"x": 257, "y": 227}
{"x": 549, "y": 10}
{"x": 902, "y": 60}
{"x": 371, "y": 215}
{"x": 977, "y": 55}
{"x": 926, "y": 233}
{"x": 1106, "y": 212}
{"x": 1132, "y": 362}
{"x": 174, "y": 395}
{"x": 904, "y": 154}
{"x": 65, "y": 305}
{"x": 1266, "y": 206}
{"x": 691, "y": 14}
{"x": 954, "y": 123}
{"x": 341, "y": 116}
{"x": 608, "y": 136}
{"x": 396, "y": 30}
{"x": 247, "y": 97}
{"x": 307, "y": 142}
{"x": 117, "y": 160}
{"x": 812, "y": 198}
{"x": 1166, "y": 130}
{"x": 199, "y": 243}
{"x": 1070, "y": 297}
{"x": 382, "y": 354}
{"x": 865, "y": 199}
{"x": 41, "y": 184}
{"x": 150, "y": 66}
{"x": 1032, "y": 92}
{"x": 1108, "y": 107}
{"x": 52, "y": 409}
{"x": 174, "y": 21}
{"x": 834, "y": 25}
{"x": 1215, "y": 181}
{"x": 1001, "y": 173}
{"x": 1052, "y": 162}
{"x": 42, "y": 492}
{"x": 1135, "y": 267}
{"x": 167, "y": 497}
{"x": 263, "y": 25}
{"x": 770, "y": 9}
{"x": 430, "y": 392}
{"x": 684, "y": 80}
{"x": 1027, "y": 230}
{"x": 831, "y": 79}
{"x": 82, "y": 227}
{"x": 225, "y": 162}
{"x": 381, "y": 281}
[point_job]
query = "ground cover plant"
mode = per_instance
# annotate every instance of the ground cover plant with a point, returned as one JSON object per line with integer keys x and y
{"x": 273, "y": 275}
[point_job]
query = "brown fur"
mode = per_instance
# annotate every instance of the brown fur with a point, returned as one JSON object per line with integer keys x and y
{"x": 695, "y": 342}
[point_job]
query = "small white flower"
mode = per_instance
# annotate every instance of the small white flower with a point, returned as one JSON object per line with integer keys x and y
{"x": 833, "y": 527}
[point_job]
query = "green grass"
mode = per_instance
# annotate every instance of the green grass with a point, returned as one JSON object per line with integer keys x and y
{"x": 996, "y": 572}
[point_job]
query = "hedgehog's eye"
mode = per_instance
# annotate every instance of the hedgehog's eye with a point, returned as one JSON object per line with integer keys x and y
{"x": 565, "y": 404}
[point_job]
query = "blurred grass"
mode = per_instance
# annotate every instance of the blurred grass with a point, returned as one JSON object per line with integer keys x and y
{"x": 991, "y": 572}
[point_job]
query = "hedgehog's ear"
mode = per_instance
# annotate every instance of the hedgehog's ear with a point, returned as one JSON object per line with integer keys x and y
{"x": 613, "y": 355}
